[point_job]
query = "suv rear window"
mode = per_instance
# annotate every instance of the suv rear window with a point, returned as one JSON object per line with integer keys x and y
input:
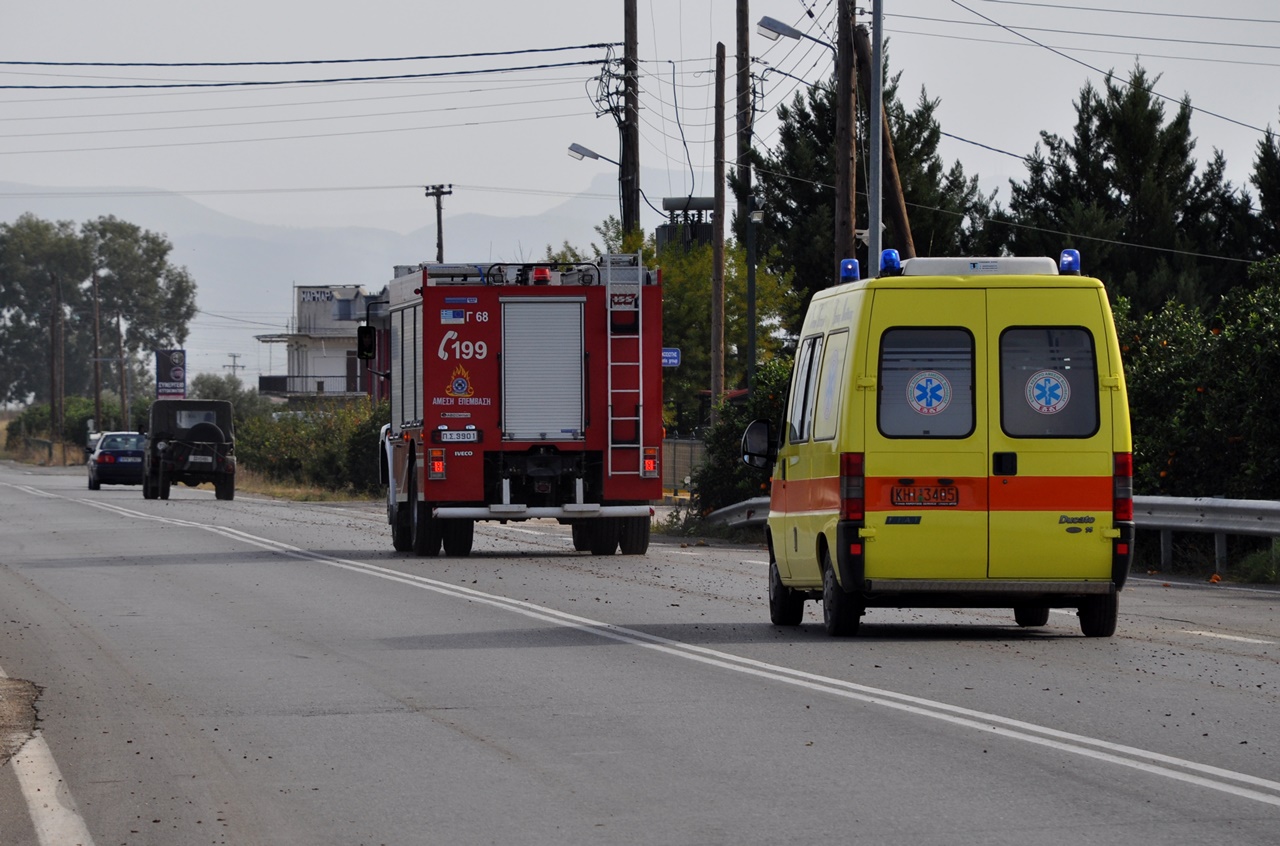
{"x": 926, "y": 383}
{"x": 1048, "y": 382}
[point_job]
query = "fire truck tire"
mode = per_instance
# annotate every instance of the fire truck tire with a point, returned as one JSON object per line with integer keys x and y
{"x": 424, "y": 530}
{"x": 604, "y": 536}
{"x": 581, "y": 536}
{"x": 401, "y": 540}
{"x": 457, "y": 536}
{"x": 634, "y": 535}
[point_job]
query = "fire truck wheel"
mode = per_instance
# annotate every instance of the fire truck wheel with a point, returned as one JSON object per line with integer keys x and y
{"x": 424, "y": 530}
{"x": 400, "y": 528}
{"x": 634, "y": 536}
{"x": 581, "y": 536}
{"x": 457, "y": 535}
{"x": 604, "y": 536}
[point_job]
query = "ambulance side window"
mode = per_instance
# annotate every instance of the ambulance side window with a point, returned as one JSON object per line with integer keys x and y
{"x": 826, "y": 412}
{"x": 926, "y": 383}
{"x": 803, "y": 380}
{"x": 1048, "y": 382}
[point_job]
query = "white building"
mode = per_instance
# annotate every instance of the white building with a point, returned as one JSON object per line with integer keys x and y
{"x": 321, "y": 344}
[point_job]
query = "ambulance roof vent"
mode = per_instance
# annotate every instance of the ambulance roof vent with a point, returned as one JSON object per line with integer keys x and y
{"x": 996, "y": 266}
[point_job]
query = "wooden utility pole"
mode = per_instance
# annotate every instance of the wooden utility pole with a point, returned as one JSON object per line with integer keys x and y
{"x": 744, "y": 123}
{"x": 846, "y": 129}
{"x": 629, "y": 167}
{"x": 439, "y": 191}
{"x": 892, "y": 183}
{"x": 717, "y": 241}
{"x": 97, "y": 361}
{"x": 55, "y": 364}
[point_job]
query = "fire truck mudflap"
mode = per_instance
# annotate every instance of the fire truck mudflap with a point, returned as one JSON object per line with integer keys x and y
{"x": 523, "y": 391}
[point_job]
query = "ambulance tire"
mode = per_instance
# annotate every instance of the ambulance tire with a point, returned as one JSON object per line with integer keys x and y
{"x": 1029, "y": 616}
{"x": 604, "y": 536}
{"x": 1098, "y": 615}
{"x": 458, "y": 536}
{"x": 424, "y": 530}
{"x": 634, "y": 535}
{"x": 840, "y": 614}
{"x": 786, "y": 606}
{"x": 581, "y": 535}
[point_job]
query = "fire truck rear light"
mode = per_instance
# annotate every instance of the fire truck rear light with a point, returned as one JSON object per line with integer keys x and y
{"x": 852, "y": 486}
{"x": 435, "y": 464}
{"x": 542, "y": 276}
{"x": 649, "y": 464}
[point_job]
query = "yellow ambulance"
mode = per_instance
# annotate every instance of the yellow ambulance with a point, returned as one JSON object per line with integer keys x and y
{"x": 956, "y": 436}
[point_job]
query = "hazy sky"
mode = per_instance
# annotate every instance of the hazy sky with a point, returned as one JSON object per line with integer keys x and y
{"x": 359, "y": 152}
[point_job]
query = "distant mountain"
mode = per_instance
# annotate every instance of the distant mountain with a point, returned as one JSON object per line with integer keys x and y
{"x": 242, "y": 268}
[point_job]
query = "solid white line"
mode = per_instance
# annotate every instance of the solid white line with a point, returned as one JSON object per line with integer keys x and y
{"x": 1229, "y": 637}
{"x": 49, "y": 802}
{"x": 1154, "y": 763}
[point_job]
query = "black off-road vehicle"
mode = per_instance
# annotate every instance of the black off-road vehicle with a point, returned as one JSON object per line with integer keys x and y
{"x": 189, "y": 441}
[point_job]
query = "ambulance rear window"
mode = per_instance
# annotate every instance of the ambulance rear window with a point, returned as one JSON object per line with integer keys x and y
{"x": 926, "y": 383}
{"x": 1048, "y": 382}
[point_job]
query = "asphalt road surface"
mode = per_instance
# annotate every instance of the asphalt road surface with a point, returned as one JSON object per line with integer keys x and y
{"x": 259, "y": 672}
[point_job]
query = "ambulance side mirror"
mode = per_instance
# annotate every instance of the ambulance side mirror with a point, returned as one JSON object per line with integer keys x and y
{"x": 366, "y": 343}
{"x": 759, "y": 446}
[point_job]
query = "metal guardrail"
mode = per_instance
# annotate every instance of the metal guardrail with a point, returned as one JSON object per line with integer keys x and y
{"x": 1166, "y": 514}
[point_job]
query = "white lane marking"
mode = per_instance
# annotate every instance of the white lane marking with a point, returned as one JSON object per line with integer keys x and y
{"x": 49, "y": 802}
{"x": 1229, "y": 637}
{"x": 1238, "y": 784}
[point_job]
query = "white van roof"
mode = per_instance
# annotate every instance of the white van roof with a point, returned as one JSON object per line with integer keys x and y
{"x": 995, "y": 266}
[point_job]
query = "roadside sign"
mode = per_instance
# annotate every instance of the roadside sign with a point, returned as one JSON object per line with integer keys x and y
{"x": 670, "y": 356}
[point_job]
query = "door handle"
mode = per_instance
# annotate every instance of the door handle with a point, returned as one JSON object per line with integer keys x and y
{"x": 1004, "y": 464}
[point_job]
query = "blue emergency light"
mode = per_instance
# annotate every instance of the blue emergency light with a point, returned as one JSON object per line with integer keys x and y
{"x": 1069, "y": 263}
{"x": 890, "y": 263}
{"x": 849, "y": 270}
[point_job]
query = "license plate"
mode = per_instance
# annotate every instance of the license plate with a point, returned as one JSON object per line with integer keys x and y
{"x": 928, "y": 496}
{"x": 201, "y": 459}
{"x": 129, "y": 459}
{"x": 459, "y": 437}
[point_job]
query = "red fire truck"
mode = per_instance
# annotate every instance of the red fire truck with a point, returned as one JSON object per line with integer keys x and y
{"x": 522, "y": 391}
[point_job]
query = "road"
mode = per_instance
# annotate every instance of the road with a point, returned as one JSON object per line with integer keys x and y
{"x": 259, "y": 672}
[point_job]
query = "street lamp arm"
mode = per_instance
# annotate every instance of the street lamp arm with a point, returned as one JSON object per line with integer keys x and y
{"x": 580, "y": 152}
{"x": 771, "y": 28}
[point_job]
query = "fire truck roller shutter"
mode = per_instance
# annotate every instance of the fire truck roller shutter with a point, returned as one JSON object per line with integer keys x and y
{"x": 542, "y": 369}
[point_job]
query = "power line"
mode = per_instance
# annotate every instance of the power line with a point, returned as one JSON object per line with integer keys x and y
{"x": 263, "y": 83}
{"x": 279, "y": 63}
{"x": 1132, "y": 12}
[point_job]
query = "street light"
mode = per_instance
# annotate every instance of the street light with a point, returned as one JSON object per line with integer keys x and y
{"x": 843, "y": 221}
{"x": 580, "y": 152}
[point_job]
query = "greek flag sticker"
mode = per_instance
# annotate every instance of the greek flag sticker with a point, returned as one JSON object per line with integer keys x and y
{"x": 1048, "y": 392}
{"x": 453, "y": 315}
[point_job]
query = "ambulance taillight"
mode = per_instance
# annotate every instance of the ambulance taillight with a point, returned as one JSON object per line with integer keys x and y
{"x": 1122, "y": 511}
{"x": 852, "y": 486}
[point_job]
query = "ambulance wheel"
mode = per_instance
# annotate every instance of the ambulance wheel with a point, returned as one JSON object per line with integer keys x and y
{"x": 839, "y": 613}
{"x": 581, "y": 536}
{"x": 1098, "y": 615}
{"x": 424, "y": 530}
{"x": 604, "y": 536}
{"x": 786, "y": 607}
{"x": 634, "y": 535}
{"x": 457, "y": 535}
{"x": 1028, "y": 616}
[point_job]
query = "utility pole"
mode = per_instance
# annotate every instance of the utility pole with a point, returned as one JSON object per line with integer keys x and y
{"x": 629, "y": 171}
{"x": 55, "y": 364}
{"x": 124, "y": 378}
{"x": 744, "y": 123}
{"x": 846, "y": 128}
{"x": 437, "y": 191}
{"x": 890, "y": 184}
{"x": 235, "y": 363}
{"x": 97, "y": 362}
{"x": 717, "y": 242}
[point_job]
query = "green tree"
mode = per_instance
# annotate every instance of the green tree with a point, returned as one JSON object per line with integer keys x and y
{"x": 246, "y": 401}
{"x": 1266, "y": 178}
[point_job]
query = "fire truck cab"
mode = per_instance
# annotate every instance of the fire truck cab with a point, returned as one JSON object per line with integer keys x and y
{"x": 523, "y": 391}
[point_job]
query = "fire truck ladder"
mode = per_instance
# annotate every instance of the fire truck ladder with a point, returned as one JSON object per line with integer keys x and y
{"x": 624, "y": 287}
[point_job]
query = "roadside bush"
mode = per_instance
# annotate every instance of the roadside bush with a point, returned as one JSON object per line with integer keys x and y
{"x": 332, "y": 446}
{"x": 723, "y": 478}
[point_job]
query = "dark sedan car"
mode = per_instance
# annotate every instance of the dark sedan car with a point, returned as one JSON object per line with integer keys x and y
{"x": 116, "y": 460}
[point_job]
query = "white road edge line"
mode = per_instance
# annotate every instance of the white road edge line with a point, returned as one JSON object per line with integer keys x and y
{"x": 1236, "y": 638}
{"x": 1154, "y": 763}
{"x": 49, "y": 802}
